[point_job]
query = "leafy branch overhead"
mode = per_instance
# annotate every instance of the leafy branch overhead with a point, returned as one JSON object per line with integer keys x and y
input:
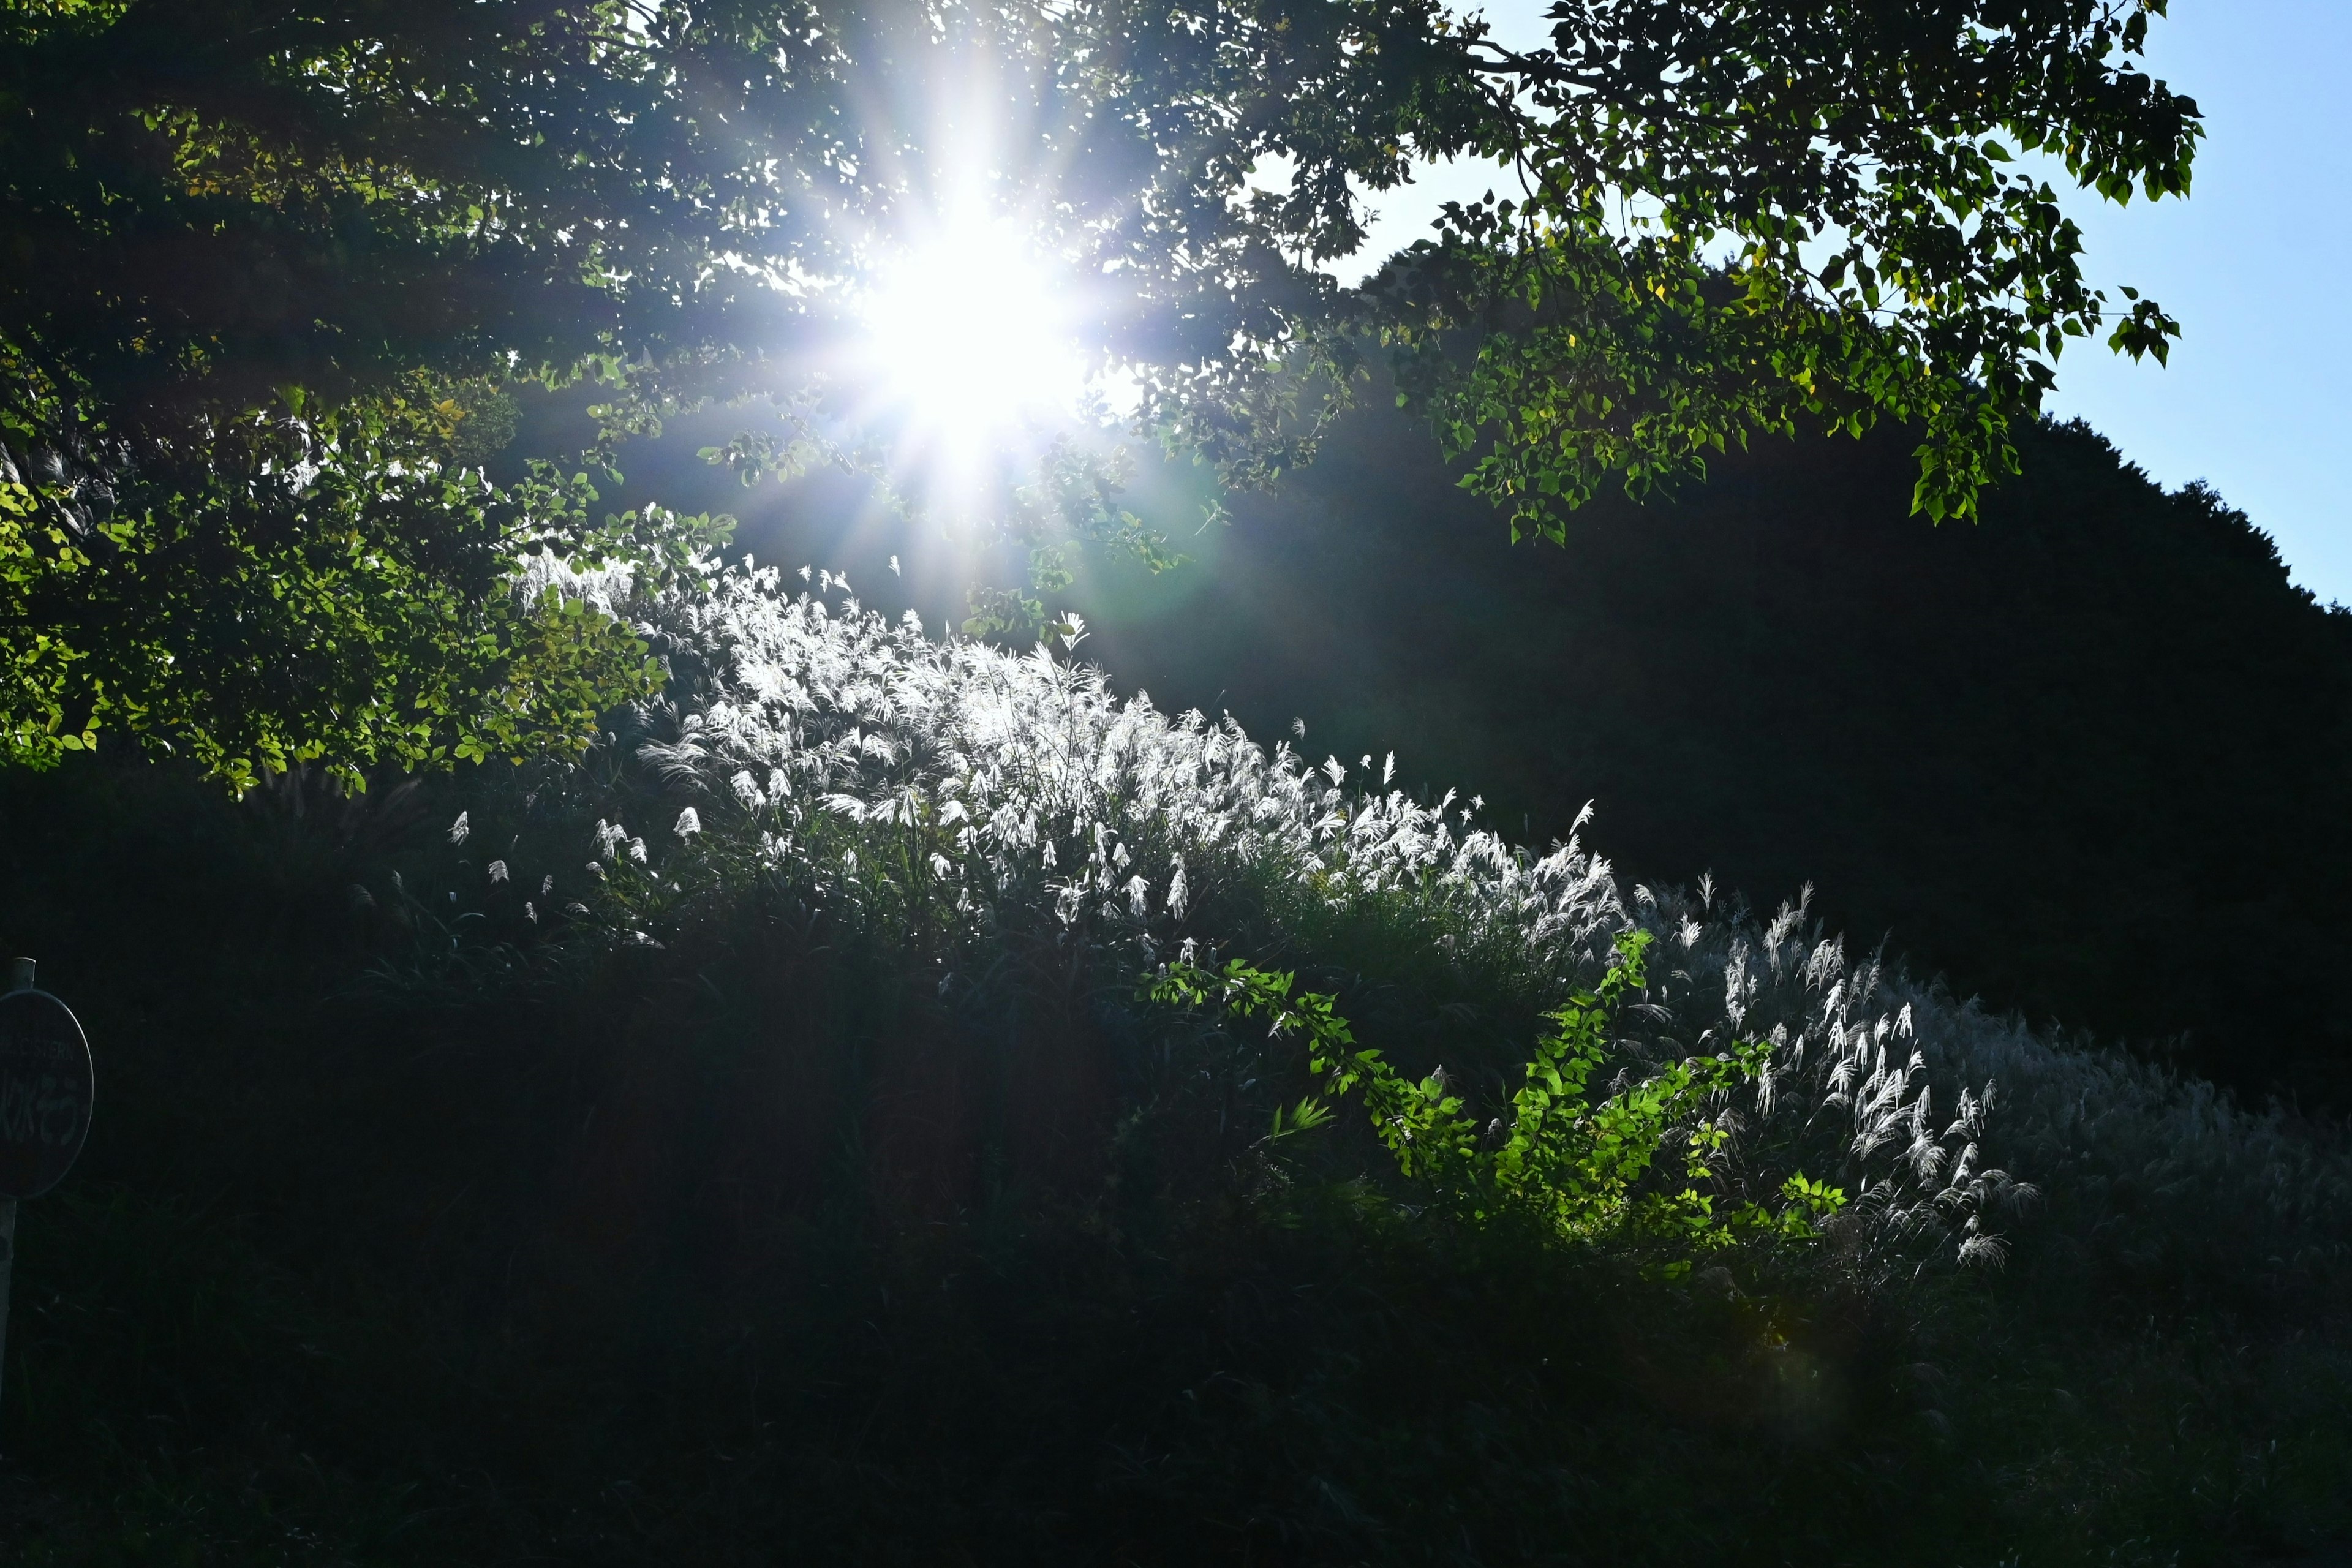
{"x": 271, "y": 274}
{"x": 1735, "y": 220}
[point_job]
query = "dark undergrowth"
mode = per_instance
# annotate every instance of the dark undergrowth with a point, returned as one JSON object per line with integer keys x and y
{"x": 757, "y": 1249}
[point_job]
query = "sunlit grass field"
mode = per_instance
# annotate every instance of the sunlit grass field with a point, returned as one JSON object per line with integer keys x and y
{"x": 806, "y": 1179}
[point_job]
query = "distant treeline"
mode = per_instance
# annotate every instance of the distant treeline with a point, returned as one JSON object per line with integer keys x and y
{"x": 2091, "y": 758}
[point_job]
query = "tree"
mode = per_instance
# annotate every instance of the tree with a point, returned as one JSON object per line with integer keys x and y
{"x": 271, "y": 267}
{"x": 1736, "y": 216}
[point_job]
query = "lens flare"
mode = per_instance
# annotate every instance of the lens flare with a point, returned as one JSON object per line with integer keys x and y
{"x": 971, "y": 337}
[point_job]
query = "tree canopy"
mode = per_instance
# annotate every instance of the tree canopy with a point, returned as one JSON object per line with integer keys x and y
{"x": 272, "y": 270}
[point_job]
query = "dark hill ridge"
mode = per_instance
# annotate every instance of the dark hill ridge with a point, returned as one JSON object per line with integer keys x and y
{"x": 2090, "y": 757}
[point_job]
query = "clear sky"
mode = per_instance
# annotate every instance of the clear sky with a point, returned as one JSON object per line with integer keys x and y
{"x": 2258, "y": 397}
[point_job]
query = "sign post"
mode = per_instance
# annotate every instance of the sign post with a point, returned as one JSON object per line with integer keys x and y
{"x": 7, "y": 1268}
{"x": 45, "y": 1098}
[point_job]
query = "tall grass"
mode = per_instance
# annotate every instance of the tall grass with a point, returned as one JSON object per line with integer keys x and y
{"x": 751, "y": 1145}
{"x": 988, "y": 807}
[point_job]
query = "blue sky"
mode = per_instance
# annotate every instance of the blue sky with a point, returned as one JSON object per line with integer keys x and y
{"x": 2259, "y": 392}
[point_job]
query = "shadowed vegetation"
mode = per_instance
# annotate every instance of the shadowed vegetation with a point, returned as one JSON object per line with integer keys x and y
{"x": 809, "y": 1179}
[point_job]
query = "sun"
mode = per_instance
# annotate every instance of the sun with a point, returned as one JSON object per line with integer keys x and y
{"x": 971, "y": 338}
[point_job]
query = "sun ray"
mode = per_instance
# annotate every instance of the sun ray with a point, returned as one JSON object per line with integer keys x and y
{"x": 970, "y": 350}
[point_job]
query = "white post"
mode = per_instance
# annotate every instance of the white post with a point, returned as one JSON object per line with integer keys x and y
{"x": 7, "y": 1263}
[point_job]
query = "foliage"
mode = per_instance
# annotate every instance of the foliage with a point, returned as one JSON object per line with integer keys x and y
{"x": 300, "y": 588}
{"x": 264, "y": 281}
{"x": 1577, "y": 1169}
{"x": 1075, "y": 503}
{"x": 1733, "y": 218}
{"x": 224, "y": 220}
{"x": 241, "y": 239}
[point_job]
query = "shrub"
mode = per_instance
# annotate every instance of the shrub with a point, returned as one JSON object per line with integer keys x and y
{"x": 1580, "y": 1171}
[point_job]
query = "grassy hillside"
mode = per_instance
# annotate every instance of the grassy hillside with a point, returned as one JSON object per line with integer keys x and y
{"x": 2055, "y": 754}
{"x": 809, "y": 1181}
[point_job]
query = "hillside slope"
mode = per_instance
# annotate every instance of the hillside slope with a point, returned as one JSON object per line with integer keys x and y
{"x": 755, "y": 1146}
{"x": 2092, "y": 756}
{"x": 2088, "y": 757}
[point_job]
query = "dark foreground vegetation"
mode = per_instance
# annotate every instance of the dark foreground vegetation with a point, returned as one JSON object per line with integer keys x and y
{"x": 740, "y": 1202}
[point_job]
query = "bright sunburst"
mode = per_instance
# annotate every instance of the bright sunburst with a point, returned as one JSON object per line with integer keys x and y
{"x": 972, "y": 337}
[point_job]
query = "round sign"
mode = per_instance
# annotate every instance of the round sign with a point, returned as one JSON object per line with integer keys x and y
{"x": 45, "y": 1092}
